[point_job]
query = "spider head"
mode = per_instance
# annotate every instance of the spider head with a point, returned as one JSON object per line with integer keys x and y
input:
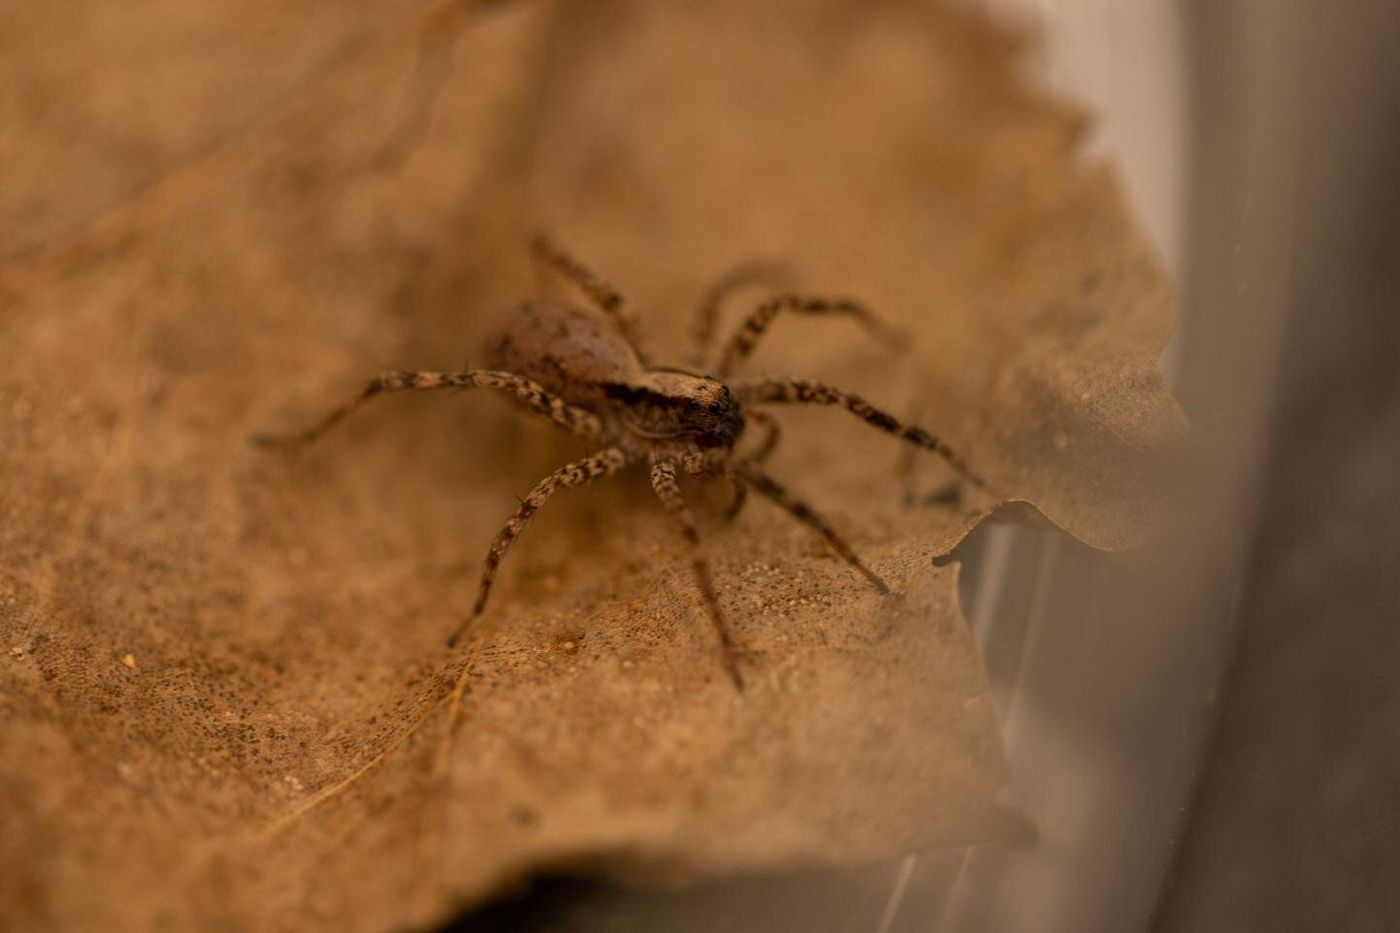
{"x": 696, "y": 407}
{"x": 711, "y": 414}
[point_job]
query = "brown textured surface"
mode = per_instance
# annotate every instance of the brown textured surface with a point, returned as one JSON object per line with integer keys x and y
{"x": 223, "y": 688}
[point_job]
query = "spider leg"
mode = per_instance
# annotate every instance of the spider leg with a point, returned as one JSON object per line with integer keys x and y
{"x": 707, "y": 312}
{"x": 441, "y": 29}
{"x": 668, "y": 490}
{"x": 801, "y": 511}
{"x": 741, "y": 492}
{"x": 713, "y": 462}
{"x": 772, "y": 434}
{"x": 757, "y": 323}
{"x": 578, "y": 473}
{"x": 534, "y": 396}
{"x": 765, "y": 448}
{"x": 718, "y": 463}
{"x": 807, "y": 392}
{"x": 949, "y": 494}
{"x": 608, "y": 299}
{"x": 904, "y": 471}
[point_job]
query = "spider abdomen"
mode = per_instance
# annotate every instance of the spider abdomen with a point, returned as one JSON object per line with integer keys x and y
{"x": 570, "y": 351}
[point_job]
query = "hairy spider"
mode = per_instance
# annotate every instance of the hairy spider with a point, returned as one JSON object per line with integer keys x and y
{"x": 585, "y": 371}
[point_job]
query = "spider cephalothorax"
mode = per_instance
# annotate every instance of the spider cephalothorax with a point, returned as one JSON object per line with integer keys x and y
{"x": 583, "y": 369}
{"x": 675, "y": 406}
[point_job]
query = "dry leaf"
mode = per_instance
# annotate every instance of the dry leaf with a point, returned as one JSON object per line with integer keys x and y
{"x": 224, "y": 694}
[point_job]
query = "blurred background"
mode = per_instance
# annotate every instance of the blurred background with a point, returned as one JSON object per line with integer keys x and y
{"x": 1236, "y": 764}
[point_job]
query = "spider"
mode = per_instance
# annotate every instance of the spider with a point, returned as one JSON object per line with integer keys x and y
{"x": 583, "y": 368}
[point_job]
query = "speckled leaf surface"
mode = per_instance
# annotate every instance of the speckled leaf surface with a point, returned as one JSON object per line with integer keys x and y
{"x": 224, "y": 698}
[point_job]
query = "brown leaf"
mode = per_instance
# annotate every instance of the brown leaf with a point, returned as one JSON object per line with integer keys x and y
{"x": 224, "y": 693}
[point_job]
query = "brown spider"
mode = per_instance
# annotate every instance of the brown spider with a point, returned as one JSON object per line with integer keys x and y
{"x": 585, "y": 371}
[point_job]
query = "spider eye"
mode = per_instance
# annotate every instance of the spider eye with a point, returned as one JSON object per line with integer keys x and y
{"x": 715, "y": 408}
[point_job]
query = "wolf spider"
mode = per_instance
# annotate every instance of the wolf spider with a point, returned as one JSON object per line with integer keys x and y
{"x": 584, "y": 369}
